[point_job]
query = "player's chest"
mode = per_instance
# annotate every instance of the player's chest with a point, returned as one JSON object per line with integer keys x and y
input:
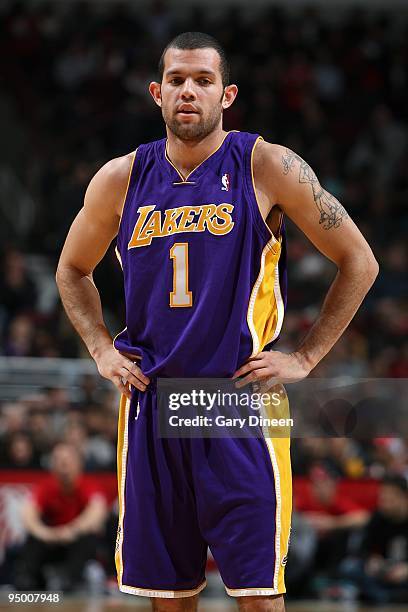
{"x": 162, "y": 209}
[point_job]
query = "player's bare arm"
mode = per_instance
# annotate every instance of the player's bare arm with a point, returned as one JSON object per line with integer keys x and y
{"x": 284, "y": 179}
{"x": 88, "y": 239}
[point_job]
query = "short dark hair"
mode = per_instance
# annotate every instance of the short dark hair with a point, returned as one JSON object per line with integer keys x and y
{"x": 198, "y": 40}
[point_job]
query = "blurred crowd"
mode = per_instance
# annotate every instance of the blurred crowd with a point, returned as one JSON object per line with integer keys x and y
{"x": 343, "y": 550}
{"x": 334, "y": 552}
{"x": 350, "y": 523}
{"x": 33, "y": 425}
{"x": 333, "y": 88}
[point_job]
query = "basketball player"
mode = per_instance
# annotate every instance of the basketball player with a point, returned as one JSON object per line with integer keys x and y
{"x": 200, "y": 237}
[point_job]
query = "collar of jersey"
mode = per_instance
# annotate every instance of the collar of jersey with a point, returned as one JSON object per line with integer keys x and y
{"x": 175, "y": 175}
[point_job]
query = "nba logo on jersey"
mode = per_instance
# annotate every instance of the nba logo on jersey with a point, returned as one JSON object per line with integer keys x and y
{"x": 225, "y": 180}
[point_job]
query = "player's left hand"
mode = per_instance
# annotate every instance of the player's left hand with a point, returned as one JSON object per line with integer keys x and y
{"x": 272, "y": 367}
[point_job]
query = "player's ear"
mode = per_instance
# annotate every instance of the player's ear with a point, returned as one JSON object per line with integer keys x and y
{"x": 155, "y": 92}
{"x": 230, "y": 93}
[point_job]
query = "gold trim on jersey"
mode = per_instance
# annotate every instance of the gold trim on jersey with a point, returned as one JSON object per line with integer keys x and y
{"x": 184, "y": 179}
{"x": 122, "y": 451}
{"x": 279, "y": 452}
{"x": 266, "y": 308}
{"x": 184, "y": 183}
{"x": 119, "y": 258}
{"x": 256, "y": 195}
{"x": 127, "y": 186}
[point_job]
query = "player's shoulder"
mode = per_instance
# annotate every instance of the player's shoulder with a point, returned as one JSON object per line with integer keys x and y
{"x": 267, "y": 154}
{"x": 116, "y": 171}
{"x": 268, "y": 166}
{"x": 109, "y": 184}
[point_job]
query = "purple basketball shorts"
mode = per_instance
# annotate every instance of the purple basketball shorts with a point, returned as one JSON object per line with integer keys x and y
{"x": 177, "y": 497}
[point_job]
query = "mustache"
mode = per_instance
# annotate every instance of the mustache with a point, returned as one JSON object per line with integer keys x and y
{"x": 196, "y": 111}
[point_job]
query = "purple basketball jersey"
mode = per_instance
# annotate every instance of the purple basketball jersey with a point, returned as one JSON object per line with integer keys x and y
{"x": 204, "y": 276}
{"x": 204, "y": 285}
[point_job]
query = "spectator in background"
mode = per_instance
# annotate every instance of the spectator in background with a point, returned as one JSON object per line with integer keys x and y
{"x": 41, "y": 430}
{"x": 89, "y": 390}
{"x": 389, "y": 456}
{"x": 12, "y": 419}
{"x": 63, "y": 519}
{"x": 20, "y": 453}
{"x": 332, "y": 516}
{"x": 20, "y": 337}
{"x": 381, "y": 572}
{"x": 345, "y": 458}
{"x": 302, "y": 551}
{"x": 17, "y": 289}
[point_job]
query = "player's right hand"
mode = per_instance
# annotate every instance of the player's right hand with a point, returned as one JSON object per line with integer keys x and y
{"x": 121, "y": 370}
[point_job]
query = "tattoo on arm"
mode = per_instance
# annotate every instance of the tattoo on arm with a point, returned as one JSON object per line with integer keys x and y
{"x": 331, "y": 211}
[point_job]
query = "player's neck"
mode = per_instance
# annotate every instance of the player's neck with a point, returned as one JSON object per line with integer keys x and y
{"x": 187, "y": 155}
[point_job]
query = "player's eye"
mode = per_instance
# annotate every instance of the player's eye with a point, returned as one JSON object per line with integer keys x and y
{"x": 175, "y": 81}
{"x": 204, "y": 81}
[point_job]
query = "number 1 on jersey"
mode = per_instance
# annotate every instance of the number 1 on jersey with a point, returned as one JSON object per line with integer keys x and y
{"x": 180, "y": 296}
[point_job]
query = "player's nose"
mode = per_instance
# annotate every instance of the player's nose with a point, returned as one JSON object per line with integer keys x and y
{"x": 188, "y": 91}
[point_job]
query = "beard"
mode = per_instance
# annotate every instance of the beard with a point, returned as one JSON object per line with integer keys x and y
{"x": 193, "y": 131}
